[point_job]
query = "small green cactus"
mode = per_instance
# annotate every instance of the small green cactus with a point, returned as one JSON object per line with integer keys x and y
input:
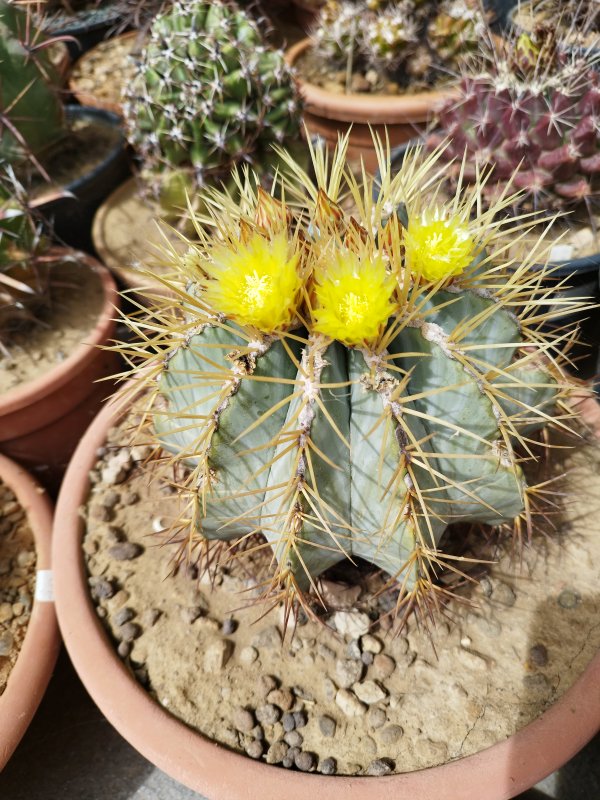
{"x": 208, "y": 94}
{"x": 339, "y": 386}
{"x": 530, "y": 114}
{"x": 31, "y": 111}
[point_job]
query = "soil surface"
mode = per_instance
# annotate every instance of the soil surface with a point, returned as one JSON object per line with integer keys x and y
{"x": 343, "y": 695}
{"x": 86, "y": 145}
{"x": 76, "y": 301}
{"x": 102, "y": 73}
{"x": 17, "y": 580}
{"x": 315, "y": 70}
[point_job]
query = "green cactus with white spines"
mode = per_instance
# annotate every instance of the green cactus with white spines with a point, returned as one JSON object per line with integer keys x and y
{"x": 349, "y": 386}
{"x": 208, "y": 94}
{"x": 31, "y": 110}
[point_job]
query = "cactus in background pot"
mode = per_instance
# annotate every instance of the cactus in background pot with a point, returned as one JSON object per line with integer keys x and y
{"x": 31, "y": 111}
{"x": 340, "y": 386}
{"x": 405, "y": 36}
{"x": 208, "y": 94}
{"x": 530, "y": 113}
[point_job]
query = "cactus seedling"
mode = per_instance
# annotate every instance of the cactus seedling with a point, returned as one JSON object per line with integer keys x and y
{"x": 345, "y": 386}
{"x": 208, "y": 93}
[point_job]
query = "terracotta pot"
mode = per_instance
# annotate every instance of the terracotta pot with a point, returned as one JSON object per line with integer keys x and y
{"x": 497, "y": 773}
{"x": 42, "y": 421}
{"x": 85, "y": 97}
{"x": 125, "y": 233}
{"x": 399, "y": 117}
{"x": 29, "y": 677}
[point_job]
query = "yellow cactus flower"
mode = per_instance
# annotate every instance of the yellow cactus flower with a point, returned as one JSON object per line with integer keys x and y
{"x": 254, "y": 283}
{"x": 353, "y": 298}
{"x": 438, "y": 246}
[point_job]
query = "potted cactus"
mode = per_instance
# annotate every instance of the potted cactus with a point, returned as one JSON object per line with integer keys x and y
{"x": 207, "y": 94}
{"x": 51, "y": 301}
{"x": 328, "y": 392}
{"x": 382, "y": 65}
{"x": 527, "y": 113}
{"x": 79, "y": 152}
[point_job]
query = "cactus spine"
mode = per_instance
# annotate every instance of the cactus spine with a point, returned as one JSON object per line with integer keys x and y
{"x": 208, "y": 93}
{"x": 348, "y": 386}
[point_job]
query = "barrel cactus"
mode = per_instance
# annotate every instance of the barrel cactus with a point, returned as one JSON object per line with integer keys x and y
{"x": 531, "y": 114}
{"x": 31, "y": 111}
{"x": 342, "y": 386}
{"x": 386, "y": 35}
{"x": 208, "y": 93}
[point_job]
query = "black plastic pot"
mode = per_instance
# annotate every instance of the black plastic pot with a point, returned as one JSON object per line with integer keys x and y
{"x": 583, "y": 281}
{"x": 88, "y": 28}
{"x": 71, "y": 216}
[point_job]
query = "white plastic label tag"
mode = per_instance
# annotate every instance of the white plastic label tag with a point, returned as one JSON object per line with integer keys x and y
{"x": 44, "y": 586}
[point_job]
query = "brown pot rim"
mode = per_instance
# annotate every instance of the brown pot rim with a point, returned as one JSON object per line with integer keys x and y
{"x": 364, "y": 108}
{"x": 87, "y": 98}
{"x": 35, "y": 390}
{"x": 496, "y": 773}
{"x": 32, "y": 671}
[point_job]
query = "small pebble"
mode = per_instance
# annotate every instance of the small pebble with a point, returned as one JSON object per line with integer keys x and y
{"x": 266, "y": 684}
{"x": 268, "y": 714}
{"x": 294, "y": 739}
{"x": 257, "y": 732}
{"x": 6, "y": 643}
{"x": 282, "y": 698}
{"x": 229, "y": 626}
{"x": 103, "y": 589}
{"x": 306, "y": 762}
{"x": 380, "y": 766}
{"x": 217, "y": 654}
{"x": 329, "y": 688}
{"x": 110, "y": 499}
{"x": 569, "y": 598}
{"x": 255, "y": 749}
{"x": 371, "y": 644}
{"x": 327, "y": 766}
{"x": 290, "y": 757}
{"x": 504, "y": 594}
{"x": 300, "y": 719}
{"x": 123, "y": 615}
{"x": 390, "y": 734}
{"x": 130, "y": 498}
{"x": 129, "y": 631}
{"x": 351, "y": 623}
{"x": 349, "y": 703}
{"x": 288, "y": 722}
{"x": 367, "y": 658}
{"x": 125, "y": 551}
{"x": 348, "y": 672}
{"x": 248, "y": 655}
{"x": 243, "y": 720}
{"x": 327, "y": 726}
{"x": 538, "y": 655}
{"x": 376, "y": 717}
{"x": 353, "y": 650}
{"x": 383, "y": 666}
{"x": 124, "y": 649}
{"x": 277, "y": 752}
{"x": 369, "y": 692}
{"x": 150, "y": 616}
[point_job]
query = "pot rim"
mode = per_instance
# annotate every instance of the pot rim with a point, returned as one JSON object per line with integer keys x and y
{"x": 87, "y": 99}
{"x": 497, "y": 773}
{"x": 364, "y": 108}
{"x": 35, "y": 390}
{"x": 29, "y": 677}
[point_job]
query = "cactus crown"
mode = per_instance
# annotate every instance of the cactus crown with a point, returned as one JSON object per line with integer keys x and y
{"x": 23, "y": 268}
{"x": 208, "y": 93}
{"x": 531, "y": 112}
{"x": 338, "y": 386}
{"x": 384, "y": 35}
{"x": 31, "y": 111}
